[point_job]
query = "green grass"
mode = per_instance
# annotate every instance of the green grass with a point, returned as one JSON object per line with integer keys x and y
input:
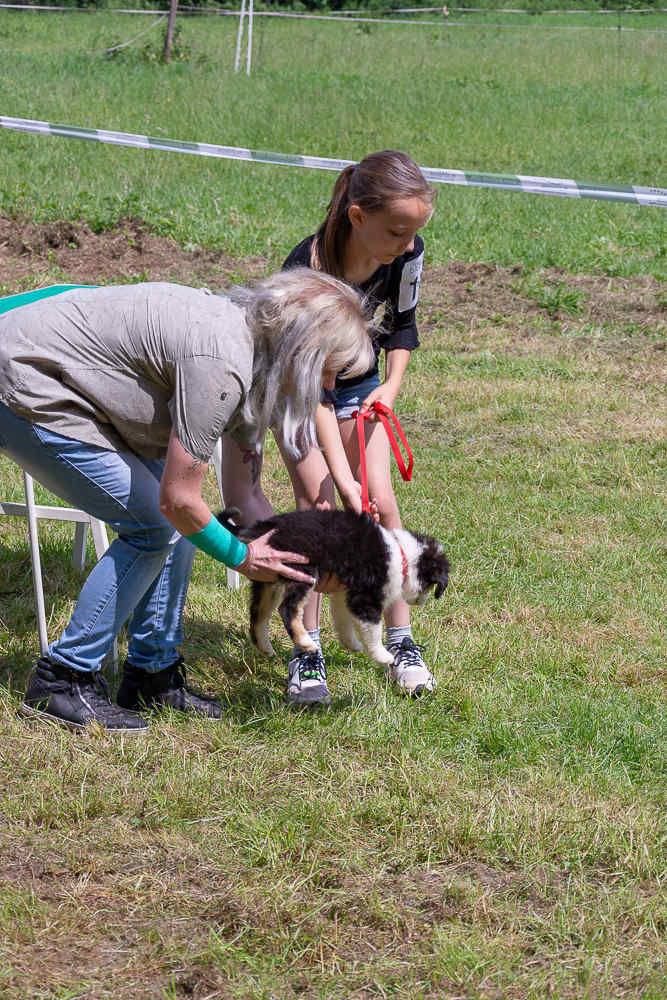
{"x": 580, "y": 104}
{"x": 503, "y": 838}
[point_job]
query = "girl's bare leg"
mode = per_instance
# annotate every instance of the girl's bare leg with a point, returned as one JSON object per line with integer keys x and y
{"x": 408, "y": 670}
{"x": 241, "y": 482}
{"x": 306, "y": 672}
{"x": 379, "y": 486}
{"x": 313, "y": 487}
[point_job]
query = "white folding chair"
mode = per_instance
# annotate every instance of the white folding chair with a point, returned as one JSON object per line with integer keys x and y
{"x": 82, "y": 520}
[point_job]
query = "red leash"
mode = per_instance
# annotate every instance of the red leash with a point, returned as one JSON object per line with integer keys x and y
{"x": 385, "y": 414}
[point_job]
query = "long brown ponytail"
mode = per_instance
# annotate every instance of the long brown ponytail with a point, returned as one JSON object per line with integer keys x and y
{"x": 372, "y": 184}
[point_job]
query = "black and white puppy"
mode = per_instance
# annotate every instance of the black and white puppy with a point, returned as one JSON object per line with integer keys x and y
{"x": 364, "y": 567}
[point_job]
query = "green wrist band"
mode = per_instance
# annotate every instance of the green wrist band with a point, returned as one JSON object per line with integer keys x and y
{"x": 216, "y": 541}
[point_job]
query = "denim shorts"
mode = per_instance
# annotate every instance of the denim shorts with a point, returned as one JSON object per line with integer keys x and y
{"x": 350, "y": 397}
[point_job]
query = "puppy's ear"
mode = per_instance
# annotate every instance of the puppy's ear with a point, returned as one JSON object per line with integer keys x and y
{"x": 441, "y": 584}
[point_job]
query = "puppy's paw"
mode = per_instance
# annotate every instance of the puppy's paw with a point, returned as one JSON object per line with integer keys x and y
{"x": 306, "y": 643}
{"x": 263, "y": 644}
{"x": 351, "y": 642}
{"x": 381, "y": 655}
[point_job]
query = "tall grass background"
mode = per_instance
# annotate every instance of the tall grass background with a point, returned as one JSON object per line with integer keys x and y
{"x": 574, "y": 103}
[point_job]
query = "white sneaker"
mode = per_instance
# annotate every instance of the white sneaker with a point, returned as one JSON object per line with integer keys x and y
{"x": 307, "y": 680}
{"x": 408, "y": 671}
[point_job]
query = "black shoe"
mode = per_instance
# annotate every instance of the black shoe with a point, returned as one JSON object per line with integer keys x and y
{"x": 141, "y": 689}
{"x": 75, "y": 698}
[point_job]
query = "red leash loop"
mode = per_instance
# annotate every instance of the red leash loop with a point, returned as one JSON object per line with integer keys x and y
{"x": 385, "y": 414}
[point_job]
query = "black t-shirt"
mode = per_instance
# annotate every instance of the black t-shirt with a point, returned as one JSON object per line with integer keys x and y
{"x": 395, "y": 285}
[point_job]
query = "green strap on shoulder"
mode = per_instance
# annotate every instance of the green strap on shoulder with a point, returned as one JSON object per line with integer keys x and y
{"x": 26, "y": 298}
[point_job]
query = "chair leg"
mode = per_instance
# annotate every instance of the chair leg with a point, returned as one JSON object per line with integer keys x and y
{"x": 100, "y": 537}
{"x": 79, "y": 553}
{"x": 101, "y": 543}
{"x": 36, "y": 562}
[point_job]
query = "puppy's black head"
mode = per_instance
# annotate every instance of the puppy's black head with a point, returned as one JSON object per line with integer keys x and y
{"x": 433, "y": 567}
{"x": 230, "y": 518}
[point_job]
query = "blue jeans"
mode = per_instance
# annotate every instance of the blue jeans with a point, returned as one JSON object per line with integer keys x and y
{"x": 143, "y": 577}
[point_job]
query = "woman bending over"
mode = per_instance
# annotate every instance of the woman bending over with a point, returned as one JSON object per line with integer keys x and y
{"x": 114, "y": 399}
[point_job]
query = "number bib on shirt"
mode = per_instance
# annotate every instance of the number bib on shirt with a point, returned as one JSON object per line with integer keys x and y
{"x": 410, "y": 278}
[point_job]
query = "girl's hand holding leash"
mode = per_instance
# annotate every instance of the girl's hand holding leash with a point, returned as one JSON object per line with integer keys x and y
{"x": 387, "y": 393}
{"x": 352, "y": 500}
{"x": 383, "y": 394}
{"x": 349, "y": 490}
{"x": 384, "y": 414}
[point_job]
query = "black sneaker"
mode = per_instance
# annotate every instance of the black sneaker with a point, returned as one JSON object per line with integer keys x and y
{"x": 141, "y": 689}
{"x": 75, "y": 698}
{"x": 307, "y": 680}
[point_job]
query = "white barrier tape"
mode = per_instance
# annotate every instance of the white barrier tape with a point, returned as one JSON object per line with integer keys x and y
{"x": 564, "y": 188}
{"x": 444, "y": 23}
{"x": 516, "y": 10}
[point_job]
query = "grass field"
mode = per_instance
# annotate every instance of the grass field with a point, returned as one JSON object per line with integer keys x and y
{"x": 573, "y": 102}
{"x": 504, "y": 838}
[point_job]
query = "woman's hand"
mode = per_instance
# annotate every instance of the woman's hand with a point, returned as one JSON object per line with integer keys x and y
{"x": 266, "y": 564}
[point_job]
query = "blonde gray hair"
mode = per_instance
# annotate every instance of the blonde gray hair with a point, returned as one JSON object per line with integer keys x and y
{"x": 305, "y": 324}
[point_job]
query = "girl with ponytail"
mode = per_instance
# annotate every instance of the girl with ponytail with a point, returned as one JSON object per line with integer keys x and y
{"x": 369, "y": 238}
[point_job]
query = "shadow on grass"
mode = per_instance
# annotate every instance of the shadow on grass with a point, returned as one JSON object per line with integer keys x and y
{"x": 251, "y": 687}
{"x": 18, "y": 613}
{"x": 221, "y": 658}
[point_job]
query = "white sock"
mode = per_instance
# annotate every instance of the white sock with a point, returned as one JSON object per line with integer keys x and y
{"x": 395, "y": 634}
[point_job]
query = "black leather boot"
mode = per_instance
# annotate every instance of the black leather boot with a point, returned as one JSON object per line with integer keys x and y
{"x": 141, "y": 689}
{"x": 75, "y": 698}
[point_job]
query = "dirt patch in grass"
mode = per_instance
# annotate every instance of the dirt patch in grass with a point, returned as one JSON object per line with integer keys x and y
{"x": 467, "y": 297}
{"x": 192, "y": 922}
{"x": 48, "y": 253}
{"x": 471, "y": 296}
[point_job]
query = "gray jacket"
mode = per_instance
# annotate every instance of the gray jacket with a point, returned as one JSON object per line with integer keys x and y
{"x": 120, "y": 366}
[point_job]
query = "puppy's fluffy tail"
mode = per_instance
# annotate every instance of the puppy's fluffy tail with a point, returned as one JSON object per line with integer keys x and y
{"x": 227, "y": 518}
